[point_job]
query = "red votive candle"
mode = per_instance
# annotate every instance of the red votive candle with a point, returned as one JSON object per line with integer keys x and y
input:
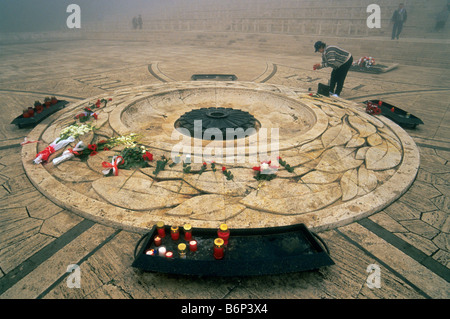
{"x": 169, "y": 254}
{"x": 174, "y": 232}
{"x": 157, "y": 240}
{"x": 160, "y": 229}
{"x": 218, "y": 248}
{"x": 224, "y": 233}
{"x": 187, "y": 232}
{"x": 193, "y": 245}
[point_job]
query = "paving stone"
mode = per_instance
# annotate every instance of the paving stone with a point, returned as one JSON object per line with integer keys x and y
{"x": 421, "y": 228}
{"x": 59, "y": 224}
{"x": 443, "y": 257}
{"x": 442, "y": 240}
{"x": 49, "y": 271}
{"x": 387, "y": 222}
{"x": 420, "y": 276}
{"x": 419, "y": 242}
{"x": 438, "y": 219}
{"x": 442, "y": 202}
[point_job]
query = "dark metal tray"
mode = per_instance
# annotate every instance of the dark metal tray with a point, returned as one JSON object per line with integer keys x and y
{"x": 249, "y": 252}
{"x": 214, "y": 77}
{"x": 21, "y": 121}
{"x": 399, "y": 116}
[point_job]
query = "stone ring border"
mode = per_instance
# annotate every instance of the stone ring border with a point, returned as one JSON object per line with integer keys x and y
{"x": 140, "y": 222}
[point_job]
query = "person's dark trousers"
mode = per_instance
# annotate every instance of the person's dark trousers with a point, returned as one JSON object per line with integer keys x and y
{"x": 338, "y": 77}
{"x": 397, "y": 29}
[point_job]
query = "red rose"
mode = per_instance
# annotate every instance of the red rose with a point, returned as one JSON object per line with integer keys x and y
{"x": 257, "y": 168}
{"x": 92, "y": 147}
{"x": 148, "y": 156}
{"x": 224, "y": 168}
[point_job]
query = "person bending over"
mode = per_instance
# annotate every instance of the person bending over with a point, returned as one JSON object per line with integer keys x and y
{"x": 338, "y": 59}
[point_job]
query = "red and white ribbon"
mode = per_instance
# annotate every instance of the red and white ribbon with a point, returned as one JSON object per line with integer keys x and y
{"x": 52, "y": 148}
{"x": 26, "y": 141}
{"x": 115, "y": 162}
{"x": 70, "y": 153}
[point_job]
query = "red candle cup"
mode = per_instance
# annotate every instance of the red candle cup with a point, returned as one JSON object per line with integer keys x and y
{"x": 158, "y": 241}
{"x": 187, "y": 232}
{"x": 193, "y": 245}
{"x": 160, "y": 229}
{"x": 224, "y": 233}
{"x": 174, "y": 232}
{"x": 169, "y": 254}
{"x": 218, "y": 248}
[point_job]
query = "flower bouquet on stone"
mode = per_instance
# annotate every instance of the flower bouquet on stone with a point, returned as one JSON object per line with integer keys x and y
{"x": 66, "y": 136}
{"x": 265, "y": 171}
{"x": 86, "y": 115}
{"x": 70, "y": 153}
{"x": 136, "y": 157}
{"x": 113, "y": 166}
{"x": 56, "y": 145}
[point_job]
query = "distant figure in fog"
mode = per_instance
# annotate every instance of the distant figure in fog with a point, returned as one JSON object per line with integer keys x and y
{"x": 441, "y": 18}
{"x": 135, "y": 23}
{"x": 139, "y": 22}
{"x": 398, "y": 18}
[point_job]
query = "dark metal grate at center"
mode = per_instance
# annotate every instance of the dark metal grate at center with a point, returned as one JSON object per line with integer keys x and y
{"x": 216, "y": 121}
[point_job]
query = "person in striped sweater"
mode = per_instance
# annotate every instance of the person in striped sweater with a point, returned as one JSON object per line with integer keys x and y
{"x": 338, "y": 59}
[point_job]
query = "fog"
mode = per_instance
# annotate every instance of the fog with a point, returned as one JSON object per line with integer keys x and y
{"x": 48, "y": 15}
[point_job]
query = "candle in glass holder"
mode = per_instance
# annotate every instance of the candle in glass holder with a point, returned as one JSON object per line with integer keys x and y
{"x": 160, "y": 229}
{"x": 187, "y": 232}
{"x": 224, "y": 233}
{"x": 157, "y": 240}
{"x": 162, "y": 251}
{"x": 175, "y": 232}
{"x": 169, "y": 254}
{"x": 182, "y": 250}
{"x": 150, "y": 252}
{"x": 218, "y": 248}
{"x": 193, "y": 245}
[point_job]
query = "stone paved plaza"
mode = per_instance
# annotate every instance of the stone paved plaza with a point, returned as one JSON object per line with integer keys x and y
{"x": 52, "y": 217}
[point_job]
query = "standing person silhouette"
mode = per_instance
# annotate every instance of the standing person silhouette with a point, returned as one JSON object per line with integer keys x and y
{"x": 398, "y": 18}
{"x": 338, "y": 59}
{"x": 139, "y": 22}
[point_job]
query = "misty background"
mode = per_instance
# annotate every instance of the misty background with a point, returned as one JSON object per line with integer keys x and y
{"x": 51, "y": 15}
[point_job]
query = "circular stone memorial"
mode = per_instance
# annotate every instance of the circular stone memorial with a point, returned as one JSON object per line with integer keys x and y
{"x": 330, "y": 162}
